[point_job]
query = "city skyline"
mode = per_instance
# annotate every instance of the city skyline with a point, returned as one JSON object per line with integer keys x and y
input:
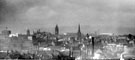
{"x": 63, "y": 29}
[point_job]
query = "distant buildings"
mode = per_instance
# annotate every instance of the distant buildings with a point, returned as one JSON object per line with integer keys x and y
{"x": 4, "y": 39}
{"x": 6, "y": 32}
{"x": 110, "y": 34}
{"x": 77, "y": 43}
{"x": 18, "y": 42}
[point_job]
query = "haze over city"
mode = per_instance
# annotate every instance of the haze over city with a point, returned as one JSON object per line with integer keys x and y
{"x": 67, "y": 29}
{"x": 114, "y": 16}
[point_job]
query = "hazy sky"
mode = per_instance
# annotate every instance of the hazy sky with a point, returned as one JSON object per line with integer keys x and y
{"x": 116, "y": 16}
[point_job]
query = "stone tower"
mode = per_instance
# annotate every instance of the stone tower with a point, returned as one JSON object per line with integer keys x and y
{"x": 56, "y": 30}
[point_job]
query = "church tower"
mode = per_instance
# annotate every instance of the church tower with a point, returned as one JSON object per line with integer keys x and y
{"x": 79, "y": 33}
{"x": 56, "y": 30}
{"x": 28, "y": 32}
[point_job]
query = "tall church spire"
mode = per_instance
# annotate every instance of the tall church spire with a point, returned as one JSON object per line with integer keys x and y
{"x": 79, "y": 32}
{"x": 56, "y": 30}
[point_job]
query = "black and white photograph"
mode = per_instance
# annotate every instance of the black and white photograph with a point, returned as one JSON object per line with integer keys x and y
{"x": 67, "y": 29}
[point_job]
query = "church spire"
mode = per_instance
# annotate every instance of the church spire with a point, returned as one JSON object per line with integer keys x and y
{"x": 56, "y": 30}
{"x": 79, "y": 32}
